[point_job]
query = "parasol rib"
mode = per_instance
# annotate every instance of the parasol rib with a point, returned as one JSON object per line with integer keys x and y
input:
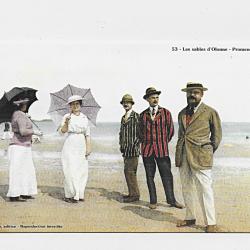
{"x": 86, "y": 93}
{"x": 58, "y": 97}
{"x": 70, "y": 89}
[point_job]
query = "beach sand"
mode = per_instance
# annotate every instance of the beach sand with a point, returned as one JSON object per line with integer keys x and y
{"x": 103, "y": 210}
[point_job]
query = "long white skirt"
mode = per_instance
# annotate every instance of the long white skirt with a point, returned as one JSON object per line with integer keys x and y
{"x": 22, "y": 176}
{"x": 75, "y": 166}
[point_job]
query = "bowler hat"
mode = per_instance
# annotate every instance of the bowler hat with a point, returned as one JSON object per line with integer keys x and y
{"x": 151, "y": 91}
{"x": 194, "y": 85}
{"x": 74, "y": 98}
{"x": 127, "y": 98}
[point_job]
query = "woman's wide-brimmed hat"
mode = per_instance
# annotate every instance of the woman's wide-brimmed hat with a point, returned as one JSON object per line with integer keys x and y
{"x": 127, "y": 98}
{"x": 21, "y": 101}
{"x": 194, "y": 85}
{"x": 151, "y": 91}
{"x": 74, "y": 98}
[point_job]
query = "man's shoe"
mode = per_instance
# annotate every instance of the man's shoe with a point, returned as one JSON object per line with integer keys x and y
{"x": 131, "y": 199}
{"x": 17, "y": 199}
{"x": 27, "y": 197}
{"x": 82, "y": 200}
{"x": 185, "y": 223}
{"x": 212, "y": 229}
{"x": 125, "y": 196}
{"x": 152, "y": 206}
{"x": 177, "y": 205}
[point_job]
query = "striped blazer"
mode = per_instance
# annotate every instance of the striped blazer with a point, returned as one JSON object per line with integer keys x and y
{"x": 128, "y": 136}
{"x": 155, "y": 134}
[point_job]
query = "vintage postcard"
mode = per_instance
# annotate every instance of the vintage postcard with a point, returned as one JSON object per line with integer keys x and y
{"x": 124, "y": 117}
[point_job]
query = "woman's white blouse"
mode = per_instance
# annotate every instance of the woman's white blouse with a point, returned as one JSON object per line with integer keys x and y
{"x": 78, "y": 124}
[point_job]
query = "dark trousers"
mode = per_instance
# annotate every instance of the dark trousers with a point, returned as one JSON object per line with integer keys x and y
{"x": 164, "y": 166}
{"x": 130, "y": 169}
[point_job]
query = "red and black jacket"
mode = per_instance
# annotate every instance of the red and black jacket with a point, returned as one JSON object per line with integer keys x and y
{"x": 155, "y": 134}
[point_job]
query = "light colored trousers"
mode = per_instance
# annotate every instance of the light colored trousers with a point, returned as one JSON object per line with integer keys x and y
{"x": 203, "y": 182}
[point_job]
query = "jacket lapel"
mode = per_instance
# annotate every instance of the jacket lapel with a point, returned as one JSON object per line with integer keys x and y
{"x": 148, "y": 114}
{"x": 201, "y": 108}
{"x": 183, "y": 118}
{"x": 129, "y": 118}
{"x": 158, "y": 113}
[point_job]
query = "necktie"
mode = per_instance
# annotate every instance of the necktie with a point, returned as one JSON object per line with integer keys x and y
{"x": 153, "y": 113}
{"x": 189, "y": 114}
{"x": 190, "y": 110}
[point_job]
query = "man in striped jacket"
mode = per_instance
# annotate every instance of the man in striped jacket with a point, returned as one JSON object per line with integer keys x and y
{"x": 156, "y": 131}
{"x": 129, "y": 147}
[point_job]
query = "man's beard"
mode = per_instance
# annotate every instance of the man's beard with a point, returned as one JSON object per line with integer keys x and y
{"x": 192, "y": 104}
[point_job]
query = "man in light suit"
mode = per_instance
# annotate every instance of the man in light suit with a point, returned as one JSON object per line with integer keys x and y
{"x": 199, "y": 136}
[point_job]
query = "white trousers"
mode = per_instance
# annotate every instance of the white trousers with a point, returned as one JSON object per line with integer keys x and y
{"x": 203, "y": 182}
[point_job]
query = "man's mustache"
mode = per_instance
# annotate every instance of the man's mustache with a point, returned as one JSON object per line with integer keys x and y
{"x": 191, "y": 98}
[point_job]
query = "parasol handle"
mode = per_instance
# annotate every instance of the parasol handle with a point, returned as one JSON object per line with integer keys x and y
{"x": 35, "y": 125}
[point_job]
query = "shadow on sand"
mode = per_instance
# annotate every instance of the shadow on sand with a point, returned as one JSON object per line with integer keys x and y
{"x": 110, "y": 195}
{"x": 54, "y": 192}
{"x": 151, "y": 214}
{"x": 114, "y": 195}
{"x": 157, "y": 215}
{"x": 141, "y": 209}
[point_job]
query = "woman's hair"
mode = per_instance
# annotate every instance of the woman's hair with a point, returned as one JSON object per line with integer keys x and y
{"x": 80, "y": 101}
{"x": 19, "y": 106}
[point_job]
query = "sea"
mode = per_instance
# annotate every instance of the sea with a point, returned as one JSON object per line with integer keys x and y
{"x": 231, "y": 158}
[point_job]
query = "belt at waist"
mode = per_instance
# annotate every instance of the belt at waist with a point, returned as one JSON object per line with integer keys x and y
{"x": 77, "y": 133}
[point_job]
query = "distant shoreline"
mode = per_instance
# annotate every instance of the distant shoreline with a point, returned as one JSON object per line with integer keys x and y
{"x": 49, "y": 120}
{"x": 43, "y": 120}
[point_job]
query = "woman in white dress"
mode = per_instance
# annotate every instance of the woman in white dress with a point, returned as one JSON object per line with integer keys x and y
{"x": 75, "y": 151}
{"x": 22, "y": 176}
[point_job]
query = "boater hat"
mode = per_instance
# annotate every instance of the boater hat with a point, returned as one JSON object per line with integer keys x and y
{"x": 151, "y": 91}
{"x": 127, "y": 98}
{"x": 21, "y": 101}
{"x": 74, "y": 98}
{"x": 194, "y": 85}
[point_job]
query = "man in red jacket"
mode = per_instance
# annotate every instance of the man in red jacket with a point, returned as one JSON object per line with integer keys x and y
{"x": 156, "y": 131}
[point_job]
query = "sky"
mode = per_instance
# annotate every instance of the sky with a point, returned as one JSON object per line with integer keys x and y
{"x": 119, "y": 47}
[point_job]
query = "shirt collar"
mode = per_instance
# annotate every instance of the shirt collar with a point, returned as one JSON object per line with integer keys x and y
{"x": 128, "y": 113}
{"x": 156, "y": 108}
{"x": 196, "y": 108}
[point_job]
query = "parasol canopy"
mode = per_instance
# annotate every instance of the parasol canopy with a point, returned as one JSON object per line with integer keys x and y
{"x": 59, "y": 107}
{"x": 6, "y": 102}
